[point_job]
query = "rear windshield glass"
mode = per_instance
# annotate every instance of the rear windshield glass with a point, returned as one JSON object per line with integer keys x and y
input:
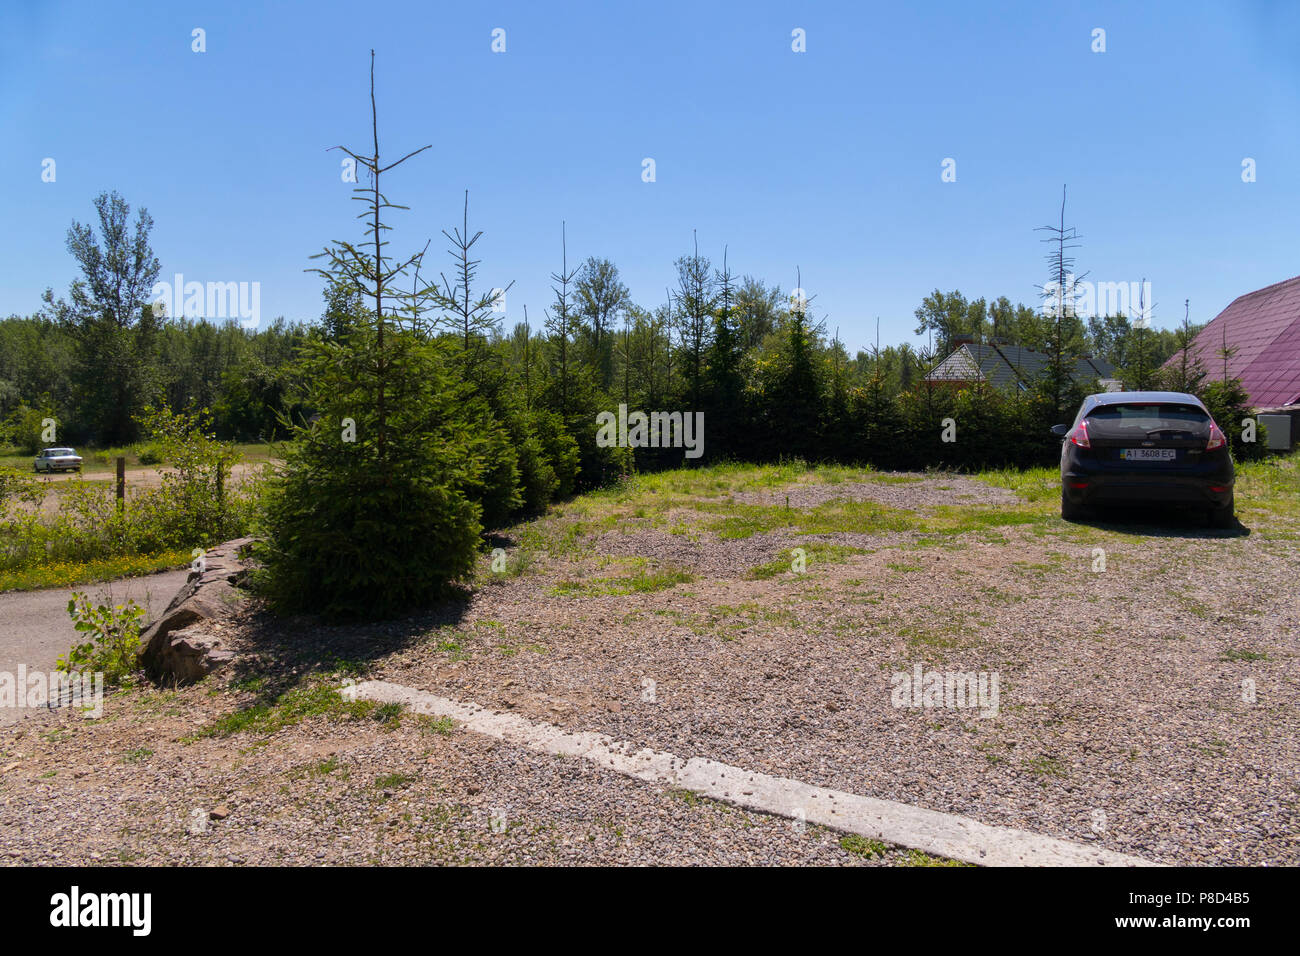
{"x": 1147, "y": 413}
{"x": 50, "y": 452}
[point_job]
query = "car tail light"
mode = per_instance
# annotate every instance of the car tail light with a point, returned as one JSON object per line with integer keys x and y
{"x": 1080, "y": 435}
{"x": 1216, "y": 438}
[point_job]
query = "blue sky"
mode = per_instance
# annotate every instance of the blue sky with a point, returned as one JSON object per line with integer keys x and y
{"x": 828, "y": 160}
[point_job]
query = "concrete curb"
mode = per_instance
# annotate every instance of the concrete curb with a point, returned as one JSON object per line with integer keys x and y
{"x": 940, "y": 834}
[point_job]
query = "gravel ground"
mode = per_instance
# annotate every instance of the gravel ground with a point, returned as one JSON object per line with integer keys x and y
{"x": 1122, "y": 718}
{"x": 1107, "y": 704}
{"x": 331, "y": 792}
{"x": 898, "y": 489}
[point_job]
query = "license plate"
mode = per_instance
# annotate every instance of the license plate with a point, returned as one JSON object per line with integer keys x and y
{"x": 1148, "y": 454}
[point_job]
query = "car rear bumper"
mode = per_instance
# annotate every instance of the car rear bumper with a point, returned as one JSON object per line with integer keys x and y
{"x": 1116, "y": 487}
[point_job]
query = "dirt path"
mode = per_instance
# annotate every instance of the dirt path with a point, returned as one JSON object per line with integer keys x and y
{"x": 136, "y": 479}
{"x": 144, "y": 477}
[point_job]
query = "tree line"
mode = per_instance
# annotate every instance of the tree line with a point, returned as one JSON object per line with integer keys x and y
{"x": 736, "y": 347}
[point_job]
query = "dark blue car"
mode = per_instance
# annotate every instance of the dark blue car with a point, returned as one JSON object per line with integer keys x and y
{"x": 1145, "y": 447}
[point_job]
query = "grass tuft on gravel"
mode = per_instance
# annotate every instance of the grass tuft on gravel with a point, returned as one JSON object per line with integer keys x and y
{"x": 917, "y": 858}
{"x": 815, "y": 552}
{"x": 861, "y": 846}
{"x": 291, "y": 708}
{"x": 442, "y": 726}
{"x": 641, "y": 582}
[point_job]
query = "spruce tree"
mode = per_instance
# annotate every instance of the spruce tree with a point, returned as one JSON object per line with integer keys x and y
{"x": 371, "y": 513}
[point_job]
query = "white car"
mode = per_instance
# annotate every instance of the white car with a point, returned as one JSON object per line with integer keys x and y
{"x": 57, "y": 459}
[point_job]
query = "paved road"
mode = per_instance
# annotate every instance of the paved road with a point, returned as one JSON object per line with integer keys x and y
{"x": 35, "y": 628}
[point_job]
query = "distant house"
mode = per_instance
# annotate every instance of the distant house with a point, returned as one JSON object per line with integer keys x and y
{"x": 1264, "y": 328}
{"x": 1012, "y": 367}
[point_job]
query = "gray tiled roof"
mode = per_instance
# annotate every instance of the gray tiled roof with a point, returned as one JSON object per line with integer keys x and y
{"x": 1005, "y": 365}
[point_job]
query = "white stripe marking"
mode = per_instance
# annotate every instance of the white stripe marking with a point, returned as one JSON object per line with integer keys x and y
{"x": 941, "y": 834}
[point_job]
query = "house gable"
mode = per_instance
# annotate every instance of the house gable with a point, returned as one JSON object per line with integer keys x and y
{"x": 1264, "y": 328}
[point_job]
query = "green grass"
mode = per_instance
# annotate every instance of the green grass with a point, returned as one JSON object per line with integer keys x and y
{"x": 64, "y": 574}
{"x": 517, "y": 564}
{"x": 69, "y": 548}
{"x": 646, "y": 501}
{"x": 1045, "y": 766}
{"x": 643, "y": 582}
{"x": 668, "y": 499}
{"x": 725, "y": 620}
{"x": 394, "y": 781}
{"x": 389, "y": 715}
{"x": 447, "y": 641}
{"x": 291, "y": 708}
{"x": 321, "y": 768}
{"x": 917, "y": 858}
{"x": 91, "y": 461}
{"x": 1270, "y": 488}
{"x": 137, "y": 756}
{"x": 762, "y": 572}
{"x": 903, "y": 567}
{"x": 443, "y": 726}
{"x": 957, "y": 520}
{"x": 715, "y": 480}
{"x": 1032, "y": 484}
{"x": 1240, "y": 654}
{"x": 815, "y": 552}
{"x": 688, "y": 797}
{"x": 943, "y": 634}
{"x": 861, "y": 846}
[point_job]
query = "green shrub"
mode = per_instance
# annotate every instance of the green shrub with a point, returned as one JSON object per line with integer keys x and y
{"x": 114, "y": 638}
{"x": 191, "y": 508}
{"x": 1229, "y": 405}
{"x": 150, "y": 454}
{"x": 195, "y": 482}
{"x": 17, "y": 486}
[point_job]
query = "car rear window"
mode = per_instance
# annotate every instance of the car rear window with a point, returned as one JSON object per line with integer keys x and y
{"x": 1148, "y": 414}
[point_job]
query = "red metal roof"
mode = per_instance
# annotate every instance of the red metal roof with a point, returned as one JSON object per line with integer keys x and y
{"x": 1265, "y": 328}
